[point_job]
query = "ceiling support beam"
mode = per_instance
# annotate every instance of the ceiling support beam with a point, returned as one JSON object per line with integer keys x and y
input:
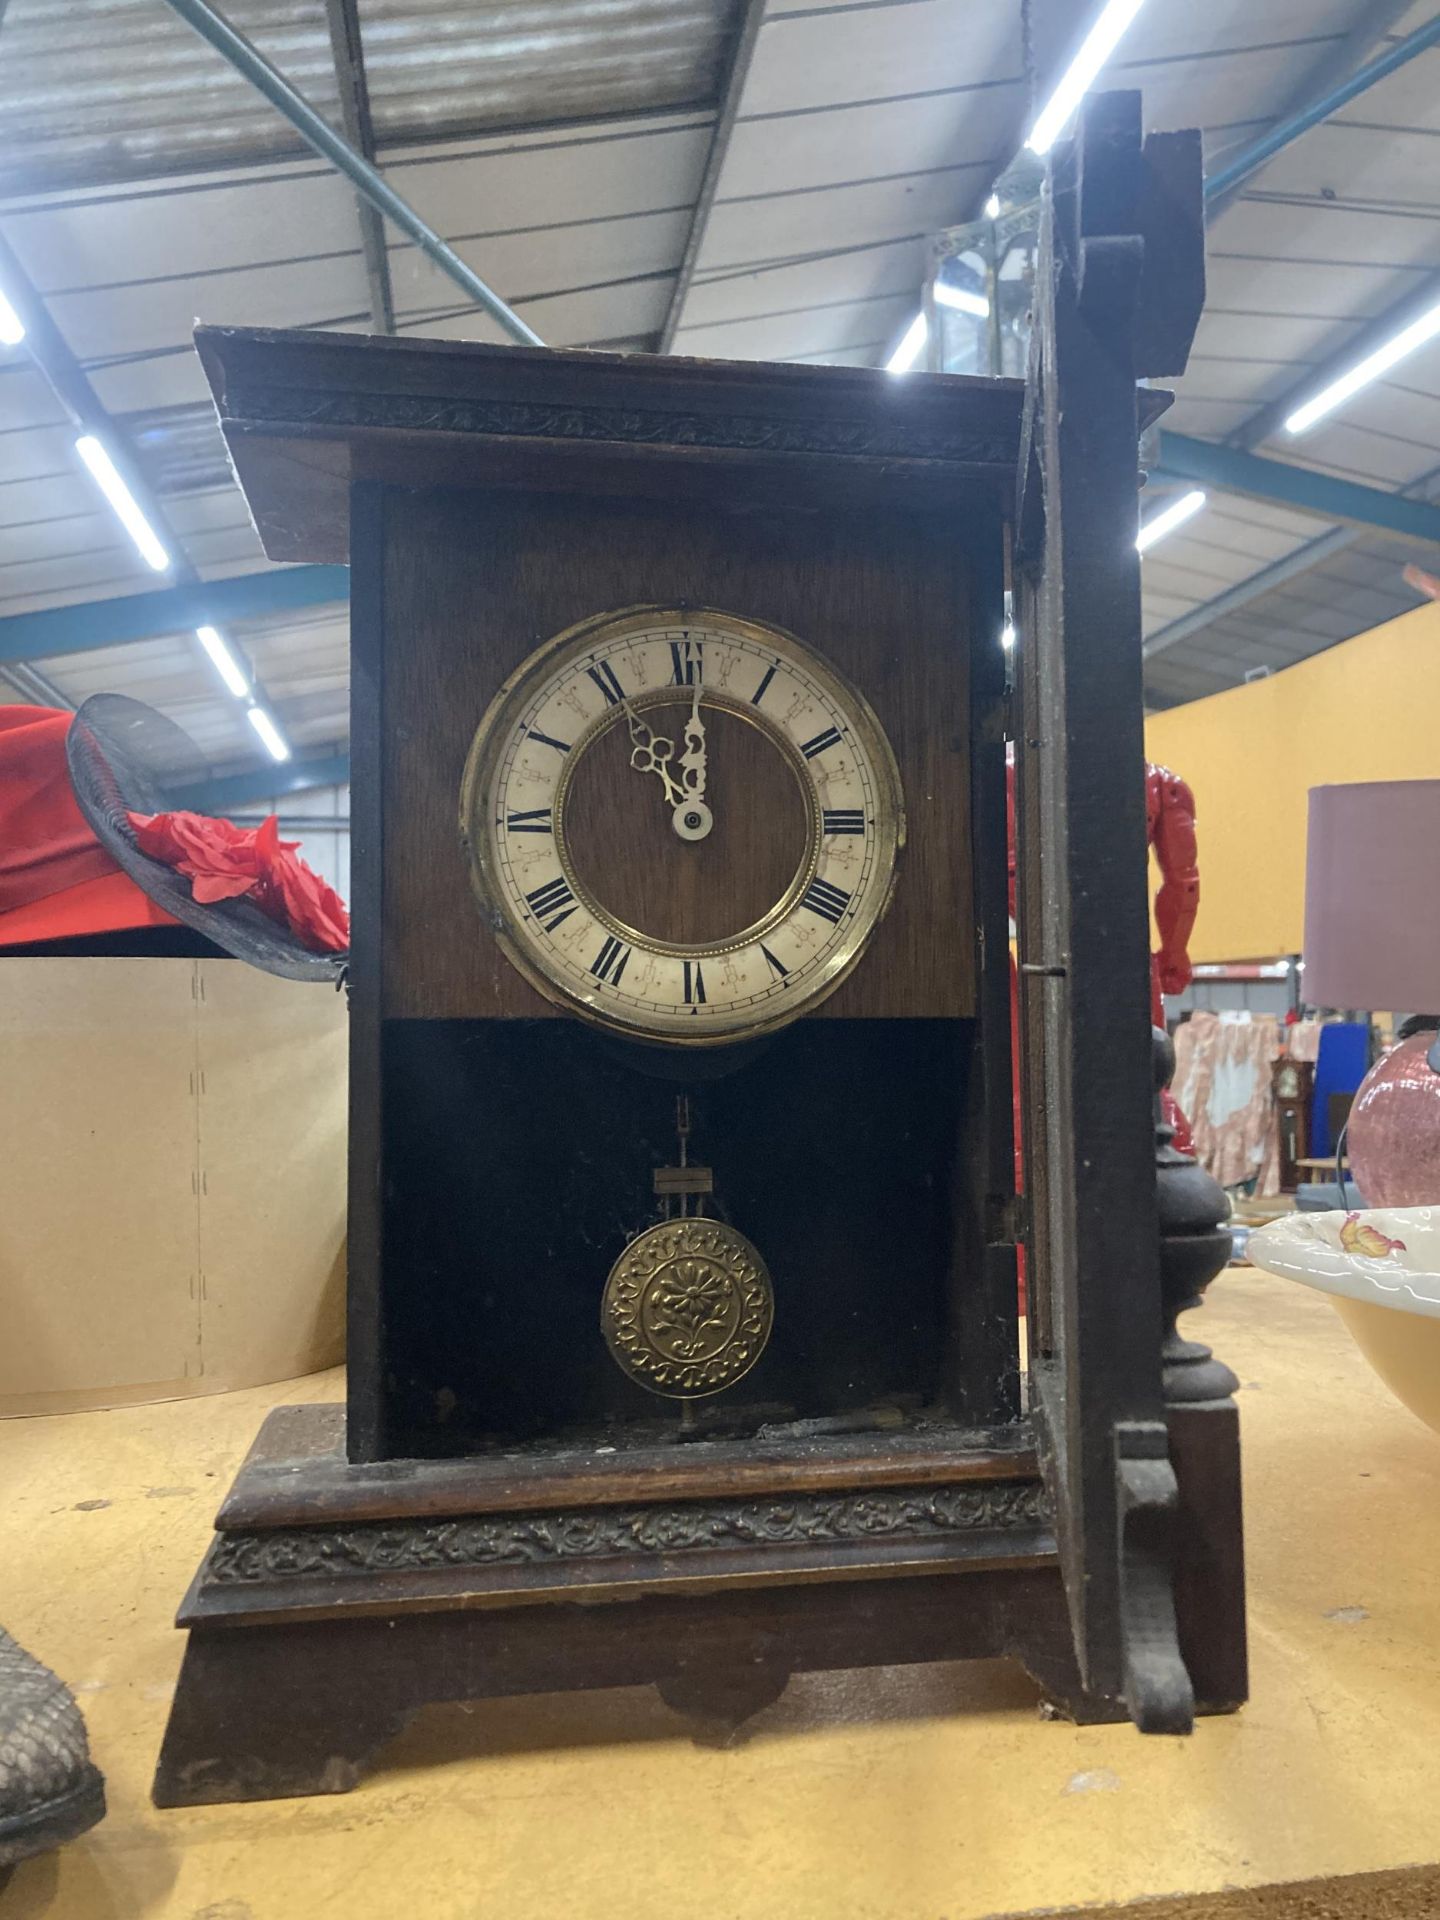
{"x": 317, "y": 132}
{"x": 1312, "y": 554}
{"x": 1335, "y": 92}
{"x": 265, "y": 783}
{"x": 1303, "y": 489}
{"x": 1244, "y": 591}
{"x": 34, "y": 688}
{"x": 90, "y": 624}
{"x": 1271, "y": 418}
{"x": 751, "y": 21}
{"x": 348, "y": 53}
{"x": 70, "y": 384}
{"x": 1326, "y": 90}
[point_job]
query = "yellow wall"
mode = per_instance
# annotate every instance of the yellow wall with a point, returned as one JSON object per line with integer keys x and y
{"x": 1366, "y": 710}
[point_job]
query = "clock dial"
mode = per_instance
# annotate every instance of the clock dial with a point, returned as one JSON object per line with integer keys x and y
{"x": 682, "y": 824}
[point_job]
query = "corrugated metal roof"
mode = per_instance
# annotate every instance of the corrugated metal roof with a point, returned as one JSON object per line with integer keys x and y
{"x": 560, "y": 145}
{"x": 122, "y": 89}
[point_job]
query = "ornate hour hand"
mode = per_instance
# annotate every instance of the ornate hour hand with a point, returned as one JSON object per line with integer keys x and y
{"x": 653, "y": 753}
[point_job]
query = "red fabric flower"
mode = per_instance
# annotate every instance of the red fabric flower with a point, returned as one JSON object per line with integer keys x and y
{"x": 224, "y": 862}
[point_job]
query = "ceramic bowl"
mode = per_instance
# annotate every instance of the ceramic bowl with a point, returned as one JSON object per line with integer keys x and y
{"x": 1382, "y": 1270}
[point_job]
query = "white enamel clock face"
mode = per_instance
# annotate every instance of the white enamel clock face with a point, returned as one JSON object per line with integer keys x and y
{"x": 682, "y": 825}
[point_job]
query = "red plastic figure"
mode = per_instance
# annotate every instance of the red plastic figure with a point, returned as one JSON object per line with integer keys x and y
{"x": 1170, "y": 830}
{"x": 1170, "y": 823}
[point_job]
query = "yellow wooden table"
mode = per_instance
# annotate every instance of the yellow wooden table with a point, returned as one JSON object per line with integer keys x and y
{"x": 1316, "y": 1171}
{"x": 886, "y": 1795}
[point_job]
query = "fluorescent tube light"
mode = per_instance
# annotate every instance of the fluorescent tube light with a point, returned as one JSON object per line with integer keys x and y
{"x": 910, "y": 348}
{"x": 992, "y": 207}
{"x": 268, "y": 732}
{"x": 12, "y": 327}
{"x": 1370, "y": 368}
{"x": 1101, "y": 41}
{"x": 224, "y": 661}
{"x": 962, "y": 300}
{"x": 1007, "y": 635}
{"x": 102, "y": 468}
{"x": 1169, "y": 518}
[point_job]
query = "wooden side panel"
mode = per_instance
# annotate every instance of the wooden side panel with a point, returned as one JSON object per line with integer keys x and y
{"x": 475, "y": 581}
{"x": 1084, "y": 930}
{"x": 984, "y": 1291}
{"x": 366, "y": 1436}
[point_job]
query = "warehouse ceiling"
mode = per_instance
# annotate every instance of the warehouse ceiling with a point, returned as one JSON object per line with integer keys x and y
{"x": 698, "y": 176}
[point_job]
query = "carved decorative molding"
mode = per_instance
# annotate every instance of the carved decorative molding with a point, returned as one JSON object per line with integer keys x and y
{"x": 637, "y": 426}
{"x": 894, "y": 1514}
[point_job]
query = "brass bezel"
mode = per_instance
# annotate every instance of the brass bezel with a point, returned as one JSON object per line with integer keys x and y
{"x": 488, "y": 745}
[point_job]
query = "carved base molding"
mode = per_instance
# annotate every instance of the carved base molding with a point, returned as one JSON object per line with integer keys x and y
{"x": 305, "y": 1532}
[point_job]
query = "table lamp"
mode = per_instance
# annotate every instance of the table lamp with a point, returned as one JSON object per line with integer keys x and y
{"x": 1372, "y": 940}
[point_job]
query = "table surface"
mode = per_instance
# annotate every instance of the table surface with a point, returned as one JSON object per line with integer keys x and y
{"x": 894, "y": 1795}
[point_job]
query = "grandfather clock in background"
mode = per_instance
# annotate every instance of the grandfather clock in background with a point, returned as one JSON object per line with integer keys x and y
{"x": 1292, "y": 1082}
{"x": 682, "y": 1225}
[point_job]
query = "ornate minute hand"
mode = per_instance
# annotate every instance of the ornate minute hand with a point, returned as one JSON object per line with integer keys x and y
{"x": 692, "y": 761}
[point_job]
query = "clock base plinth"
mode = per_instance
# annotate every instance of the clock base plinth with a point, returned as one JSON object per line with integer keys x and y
{"x": 338, "y": 1599}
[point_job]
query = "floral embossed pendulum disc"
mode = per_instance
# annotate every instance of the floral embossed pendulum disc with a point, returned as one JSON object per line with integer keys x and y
{"x": 687, "y": 1308}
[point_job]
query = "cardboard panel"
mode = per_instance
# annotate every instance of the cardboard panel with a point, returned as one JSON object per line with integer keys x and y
{"x": 98, "y": 1254}
{"x": 271, "y": 1129}
{"x": 172, "y": 1138}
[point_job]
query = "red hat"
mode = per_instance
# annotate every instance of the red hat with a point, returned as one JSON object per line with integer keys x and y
{"x": 56, "y": 880}
{"x": 91, "y": 842}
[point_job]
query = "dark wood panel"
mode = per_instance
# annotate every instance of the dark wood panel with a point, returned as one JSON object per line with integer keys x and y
{"x": 225, "y": 1740}
{"x": 365, "y": 1283}
{"x": 518, "y": 1164}
{"x": 296, "y": 1474}
{"x": 984, "y": 1363}
{"x": 474, "y": 582}
{"x": 1210, "y": 1553}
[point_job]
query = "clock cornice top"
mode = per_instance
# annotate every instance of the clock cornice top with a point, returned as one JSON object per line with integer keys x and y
{"x": 305, "y": 413}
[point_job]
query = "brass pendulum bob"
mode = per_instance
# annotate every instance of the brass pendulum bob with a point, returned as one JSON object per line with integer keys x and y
{"x": 688, "y": 1306}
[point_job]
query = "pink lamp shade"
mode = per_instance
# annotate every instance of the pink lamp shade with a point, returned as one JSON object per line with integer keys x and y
{"x": 1372, "y": 941}
{"x": 1372, "y": 897}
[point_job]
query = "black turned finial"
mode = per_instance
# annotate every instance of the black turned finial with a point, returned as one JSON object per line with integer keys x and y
{"x": 1194, "y": 1246}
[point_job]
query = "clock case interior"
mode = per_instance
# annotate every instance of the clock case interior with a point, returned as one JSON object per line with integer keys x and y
{"x": 519, "y": 1144}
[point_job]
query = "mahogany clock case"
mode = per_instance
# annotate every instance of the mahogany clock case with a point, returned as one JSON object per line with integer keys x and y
{"x": 518, "y": 1144}
{"x": 503, "y": 1150}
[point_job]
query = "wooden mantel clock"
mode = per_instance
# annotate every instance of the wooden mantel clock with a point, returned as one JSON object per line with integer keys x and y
{"x": 682, "y": 1254}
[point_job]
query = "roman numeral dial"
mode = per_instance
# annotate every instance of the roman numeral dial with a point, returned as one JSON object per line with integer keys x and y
{"x": 683, "y": 825}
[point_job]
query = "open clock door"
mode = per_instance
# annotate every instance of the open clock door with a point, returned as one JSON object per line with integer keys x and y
{"x": 1118, "y": 290}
